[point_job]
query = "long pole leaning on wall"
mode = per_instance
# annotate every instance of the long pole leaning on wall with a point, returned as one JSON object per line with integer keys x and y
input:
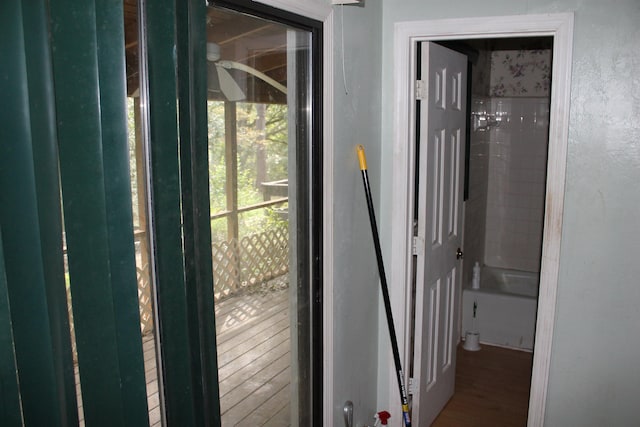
{"x": 384, "y": 287}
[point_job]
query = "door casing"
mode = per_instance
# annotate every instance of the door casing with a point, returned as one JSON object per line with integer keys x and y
{"x": 406, "y": 35}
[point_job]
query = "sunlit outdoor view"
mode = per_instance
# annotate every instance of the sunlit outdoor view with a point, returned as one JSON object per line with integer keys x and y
{"x": 261, "y": 166}
{"x": 252, "y": 99}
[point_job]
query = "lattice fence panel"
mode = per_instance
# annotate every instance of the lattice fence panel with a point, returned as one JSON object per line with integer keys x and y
{"x": 257, "y": 258}
{"x": 71, "y": 326}
{"x": 143, "y": 277}
{"x": 264, "y": 256}
{"x": 226, "y": 268}
{"x": 144, "y": 299}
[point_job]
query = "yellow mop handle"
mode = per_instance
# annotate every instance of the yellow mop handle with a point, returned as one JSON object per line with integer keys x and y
{"x": 361, "y": 157}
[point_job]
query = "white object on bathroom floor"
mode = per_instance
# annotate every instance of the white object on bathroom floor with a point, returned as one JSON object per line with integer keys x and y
{"x": 472, "y": 341}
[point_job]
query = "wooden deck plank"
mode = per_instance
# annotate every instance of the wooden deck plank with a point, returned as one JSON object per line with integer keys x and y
{"x": 154, "y": 417}
{"x": 251, "y": 356}
{"x": 231, "y": 340}
{"x": 237, "y": 388}
{"x": 152, "y": 386}
{"x": 264, "y": 413}
{"x": 253, "y": 327}
{"x": 248, "y": 313}
{"x": 254, "y": 362}
{"x": 253, "y": 347}
{"x": 282, "y": 417}
{"x": 248, "y": 342}
{"x": 236, "y": 415}
{"x": 248, "y": 303}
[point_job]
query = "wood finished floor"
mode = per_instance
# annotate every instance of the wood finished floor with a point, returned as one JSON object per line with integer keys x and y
{"x": 253, "y": 346}
{"x": 492, "y": 389}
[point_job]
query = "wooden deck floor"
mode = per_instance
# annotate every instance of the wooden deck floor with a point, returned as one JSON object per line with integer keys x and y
{"x": 253, "y": 362}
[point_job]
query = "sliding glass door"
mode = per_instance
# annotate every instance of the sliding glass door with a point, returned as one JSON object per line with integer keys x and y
{"x": 263, "y": 202}
{"x": 160, "y": 228}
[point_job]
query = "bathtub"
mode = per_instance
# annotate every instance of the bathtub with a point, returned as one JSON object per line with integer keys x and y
{"x": 506, "y": 307}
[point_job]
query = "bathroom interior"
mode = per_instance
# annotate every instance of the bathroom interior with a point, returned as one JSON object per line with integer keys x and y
{"x": 505, "y": 190}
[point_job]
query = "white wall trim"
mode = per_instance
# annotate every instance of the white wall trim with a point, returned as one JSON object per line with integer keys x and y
{"x": 323, "y": 12}
{"x": 406, "y": 34}
{"x": 327, "y": 242}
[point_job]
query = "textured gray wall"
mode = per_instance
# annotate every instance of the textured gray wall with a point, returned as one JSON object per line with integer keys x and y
{"x": 356, "y": 289}
{"x": 594, "y": 376}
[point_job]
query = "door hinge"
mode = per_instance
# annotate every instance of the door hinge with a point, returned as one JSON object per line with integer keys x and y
{"x": 417, "y": 245}
{"x": 421, "y": 89}
{"x": 410, "y": 387}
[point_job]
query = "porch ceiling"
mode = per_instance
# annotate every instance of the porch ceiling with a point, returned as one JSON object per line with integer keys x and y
{"x": 254, "y": 42}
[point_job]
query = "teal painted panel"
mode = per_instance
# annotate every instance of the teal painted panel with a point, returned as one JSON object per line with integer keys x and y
{"x": 100, "y": 264}
{"x": 23, "y": 263}
{"x": 45, "y": 160}
{"x": 10, "y": 412}
{"x": 169, "y": 271}
{"x": 113, "y": 110}
{"x": 192, "y": 89}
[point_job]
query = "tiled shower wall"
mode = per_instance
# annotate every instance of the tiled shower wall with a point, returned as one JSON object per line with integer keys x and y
{"x": 475, "y": 217}
{"x": 504, "y": 211}
{"x": 516, "y": 183}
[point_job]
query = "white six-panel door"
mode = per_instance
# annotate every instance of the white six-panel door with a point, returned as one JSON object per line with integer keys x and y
{"x": 439, "y": 232}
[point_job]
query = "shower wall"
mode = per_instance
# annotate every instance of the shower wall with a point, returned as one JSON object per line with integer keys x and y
{"x": 475, "y": 207}
{"x": 516, "y": 182}
{"x": 505, "y": 209}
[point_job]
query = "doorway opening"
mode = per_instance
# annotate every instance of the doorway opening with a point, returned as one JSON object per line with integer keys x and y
{"x": 508, "y": 100}
{"x": 559, "y": 27}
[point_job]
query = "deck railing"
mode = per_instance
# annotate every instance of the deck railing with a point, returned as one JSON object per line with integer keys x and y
{"x": 237, "y": 265}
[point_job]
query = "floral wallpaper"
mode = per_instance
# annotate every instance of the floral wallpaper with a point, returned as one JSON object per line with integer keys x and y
{"x": 520, "y": 72}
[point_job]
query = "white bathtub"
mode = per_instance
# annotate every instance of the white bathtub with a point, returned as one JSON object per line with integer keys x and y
{"x": 506, "y": 307}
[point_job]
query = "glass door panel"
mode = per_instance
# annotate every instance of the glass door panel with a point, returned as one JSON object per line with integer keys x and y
{"x": 259, "y": 163}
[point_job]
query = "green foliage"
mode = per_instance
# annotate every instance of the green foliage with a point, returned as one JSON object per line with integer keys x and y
{"x": 217, "y": 180}
{"x": 131, "y": 129}
{"x": 262, "y": 156}
{"x": 262, "y": 153}
{"x": 276, "y": 139}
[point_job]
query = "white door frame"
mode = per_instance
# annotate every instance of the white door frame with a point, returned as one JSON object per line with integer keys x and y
{"x": 406, "y": 35}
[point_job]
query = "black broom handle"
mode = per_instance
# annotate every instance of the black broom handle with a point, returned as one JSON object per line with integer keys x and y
{"x": 383, "y": 284}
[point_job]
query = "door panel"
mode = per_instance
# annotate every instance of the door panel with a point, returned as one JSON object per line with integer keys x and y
{"x": 263, "y": 181}
{"x": 442, "y": 123}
